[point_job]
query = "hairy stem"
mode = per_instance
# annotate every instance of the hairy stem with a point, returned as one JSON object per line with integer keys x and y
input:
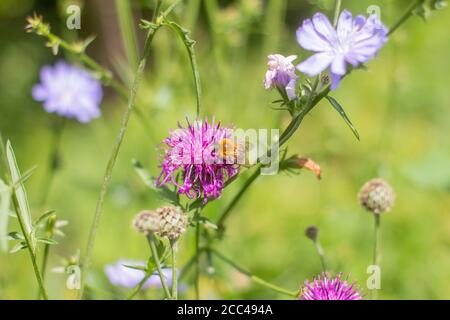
{"x": 39, "y": 279}
{"x": 408, "y": 13}
{"x": 197, "y": 256}
{"x": 337, "y": 11}
{"x": 113, "y": 158}
{"x": 377, "y": 248}
{"x": 174, "y": 249}
{"x": 151, "y": 242}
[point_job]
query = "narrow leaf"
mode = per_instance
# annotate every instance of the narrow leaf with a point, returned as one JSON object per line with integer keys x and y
{"x": 44, "y": 217}
{"x": 344, "y": 116}
{"x": 140, "y": 268}
{"x": 18, "y": 247}
{"x": 189, "y": 44}
{"x": 47, "y": 241}
{"x": 15, "y": 236}
{"x": 5, "y": 203}
{"x": 19, "y": 192}
{"x": 164, "y": 192}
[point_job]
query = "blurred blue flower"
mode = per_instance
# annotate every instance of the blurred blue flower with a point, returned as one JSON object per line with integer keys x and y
{"x": 281, "y": 74}
{"x": 123, "y": 274}
{"x": 69, "y": 91}
{"x": 355, "y": 41}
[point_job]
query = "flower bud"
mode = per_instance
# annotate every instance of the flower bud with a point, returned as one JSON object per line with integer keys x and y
{"x": 146, "y": 222}
{"x": 172, "y": 222}
{"x": 377, "y": 196}
{"x": 312, "y": 232}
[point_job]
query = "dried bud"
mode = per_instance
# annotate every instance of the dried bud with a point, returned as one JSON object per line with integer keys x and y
{"x": 296, "y": 162}
{"x": 146, "y": 222}
{"x": 377, "y": 196}
{"x": 312, "y": 232}
{"x": 172, "y": 222}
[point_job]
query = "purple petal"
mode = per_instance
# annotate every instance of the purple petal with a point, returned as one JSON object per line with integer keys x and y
{"x": 316, "y": 63}
{"x": 324, "y": 27}
{"x": 335, "y": 80}
{"x": 310, "y": 39}
{"x": 345, "y": 24}
{"x": 338, "y": 65}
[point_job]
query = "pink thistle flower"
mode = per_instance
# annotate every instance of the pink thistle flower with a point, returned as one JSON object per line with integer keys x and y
{"x": 204, "y": 154}
{"x": 326, "y": 288}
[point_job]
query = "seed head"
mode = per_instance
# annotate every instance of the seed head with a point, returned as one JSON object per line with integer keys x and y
{"x": 377, "y": 196}
{"x": 146, "y": 222}
{"x": 172, "y": 222}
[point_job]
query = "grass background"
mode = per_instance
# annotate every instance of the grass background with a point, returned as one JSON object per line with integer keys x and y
{"x": 400, "y": 107}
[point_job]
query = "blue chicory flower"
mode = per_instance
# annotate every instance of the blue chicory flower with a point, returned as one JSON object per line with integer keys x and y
{"x": 69, "y": 91}
{"x": 120, "y": 274}
{"x": 355, "y": 41}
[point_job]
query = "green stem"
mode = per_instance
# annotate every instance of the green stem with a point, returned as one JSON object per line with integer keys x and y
{"x": 189, "y": 264}
{"x": 321, "y": 255}
{"x": 235, "y": 200}
{"x": 197, "y": 257}
{"x": 253, "y": 277}
{"x": 151, "y": 242}
{"x": 113, "y": 158}
{"x": 337, "y": 11}
{"x": 377, "y": 248}
{"x": 39, "y": 279}
{"x": 408, "y": 13}
{"x": 139, "y": 287}
{"x": 174, "y": 249}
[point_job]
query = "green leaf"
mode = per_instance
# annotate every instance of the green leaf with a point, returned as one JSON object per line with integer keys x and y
{"x": 189, "y": 44}
{"x": 344, "y": 116}
{"x": 18, "y": 247}
{"x": 44, "y": 217}
{"x": 163, "y": 192}
{"x": 15, "y": 236}
{"x": 5, "y": 204}
{"x": 206, "y": 222}
{"x": 24, "y": 177}
{"x": 140, "y": 268}
{"x": 47, "y": 241}
{"x": 20, "y": 194}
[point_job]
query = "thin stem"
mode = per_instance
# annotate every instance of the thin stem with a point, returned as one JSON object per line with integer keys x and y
{"x": 235, "y": 200}
{"x": 377, "y": 248}
{"x": 197, "y": 257}
{"x": 139, "y": 287}
{"x": 253, "y": 277}
{"x": 189, "y": 264}
{"x": 337, "y": 11}
{"x": 174, "y": 249}
{"x": 321, "y": 255}
{"x": 39, "y": 279}
{"x": 113, "y": 158}
{"x": 151, "y": 242}
{"x": 408, "y": 13}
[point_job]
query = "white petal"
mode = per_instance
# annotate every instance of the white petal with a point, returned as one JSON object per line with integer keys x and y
{"x": 316, "y": 63}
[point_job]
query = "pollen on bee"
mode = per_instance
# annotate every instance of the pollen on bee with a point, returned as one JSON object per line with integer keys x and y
{"x": 229, "y": 150}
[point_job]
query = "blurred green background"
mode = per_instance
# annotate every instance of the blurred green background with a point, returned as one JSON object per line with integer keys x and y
{"x": 400, "y": 106}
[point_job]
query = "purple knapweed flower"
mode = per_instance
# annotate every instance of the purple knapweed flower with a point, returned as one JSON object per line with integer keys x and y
{"x": 204, "y": 154}
{"x": 69, "y": 91}
{"x": 119, "y": 274}
{"x": 281, "y": 74}
{"x": 355, "y": 41}
{"x": 326, "y": 288}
